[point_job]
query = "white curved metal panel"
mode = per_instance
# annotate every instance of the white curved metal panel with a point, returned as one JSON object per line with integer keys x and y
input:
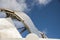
{"x": 7, "y": 29}
{"x": 28, "y": 23}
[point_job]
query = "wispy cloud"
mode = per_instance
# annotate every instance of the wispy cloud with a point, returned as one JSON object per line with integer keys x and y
{"x": 13, "y": 4}
{"x": 21, "y": 5}
{"x": 44, "y": 2}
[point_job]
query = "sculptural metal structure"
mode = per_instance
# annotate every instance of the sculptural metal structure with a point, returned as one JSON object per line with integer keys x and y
{"x": 25, "y": 19}
{"x": 7, "y": 29}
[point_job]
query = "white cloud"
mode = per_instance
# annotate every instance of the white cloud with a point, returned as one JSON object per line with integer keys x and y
{"x": 21, "y": 5}
{"x": 44, "y": 2}
{"x": 13, "y": 4}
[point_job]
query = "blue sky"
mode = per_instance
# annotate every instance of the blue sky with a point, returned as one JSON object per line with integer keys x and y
{"x": 45, "y": 14}
{"x": 47, "y": 18}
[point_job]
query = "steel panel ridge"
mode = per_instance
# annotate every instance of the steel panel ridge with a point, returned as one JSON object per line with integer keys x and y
{"x": 24, "y": 39}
